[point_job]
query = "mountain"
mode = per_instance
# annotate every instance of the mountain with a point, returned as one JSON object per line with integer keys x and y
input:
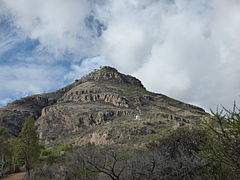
{"x": 103, "y": 107}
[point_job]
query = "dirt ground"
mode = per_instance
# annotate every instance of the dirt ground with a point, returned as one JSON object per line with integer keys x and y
{"x": 16, "y": 176}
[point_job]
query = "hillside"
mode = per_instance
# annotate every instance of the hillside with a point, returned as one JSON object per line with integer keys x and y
{"x": 104, "y": 107}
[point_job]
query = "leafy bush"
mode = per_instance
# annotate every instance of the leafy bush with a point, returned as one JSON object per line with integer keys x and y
{"x": 51, "y": 159}
{"x": 61, "y": 148}
{"x": 45, "y": 152}
{"x": 222, "y": 147}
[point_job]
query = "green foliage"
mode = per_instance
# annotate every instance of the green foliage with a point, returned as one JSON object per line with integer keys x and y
{"x": 222, "y": 148}
{"x": 126, "y": 155}
{"x": 4, "y": 135}
{"x": 4, "y": 139}
{"x": 51, "y": 159}
{"x": 65, "y": 148}
{"x": 85, "y": 172}
{"x": 16, "y": 154}
{"x": 4, "y": 148}
{"x": 27, "y": 146}
{"x": 45, "y": 152}
{"x": 211, "y": 151}
{"x": 149, "y": 138}
{"x": 184, "y": 139}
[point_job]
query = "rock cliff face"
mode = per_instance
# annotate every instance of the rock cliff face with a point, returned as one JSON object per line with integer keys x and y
{"x": 100, "y": 108}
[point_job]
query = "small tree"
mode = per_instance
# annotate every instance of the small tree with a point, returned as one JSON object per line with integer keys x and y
{"x": 222, "y": 148}
{"x": 28, "y": 144}
{"x": 15, "y": 153}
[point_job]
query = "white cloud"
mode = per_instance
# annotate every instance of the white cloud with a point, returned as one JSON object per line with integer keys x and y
{"x": 58, "y": 24}
{"x": 86, "y": 66}
{"x": 21, "y": 80}
{"x": 5, "y": 101}
{"x": 186, "y": 49}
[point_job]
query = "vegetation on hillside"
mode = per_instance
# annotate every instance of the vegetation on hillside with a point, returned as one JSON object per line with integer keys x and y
{"x": 21, "y": 151}
{"x": 209, "y": 151}
{"x": 4, "y": 149}
{"x": 222, "y": 146}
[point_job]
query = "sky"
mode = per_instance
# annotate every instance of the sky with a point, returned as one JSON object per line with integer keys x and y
{"x": 188, "y": 50}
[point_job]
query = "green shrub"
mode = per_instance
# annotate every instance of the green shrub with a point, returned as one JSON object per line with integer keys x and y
{"x": 45, "y": 152}
{"x": 65, "y": 148}
{"x": 85, "y": 172}
{"x": 51, "y": 159}
{"x": 222, "y": 147}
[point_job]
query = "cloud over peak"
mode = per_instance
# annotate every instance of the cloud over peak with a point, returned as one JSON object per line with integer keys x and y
{"x": 186, "y": 49}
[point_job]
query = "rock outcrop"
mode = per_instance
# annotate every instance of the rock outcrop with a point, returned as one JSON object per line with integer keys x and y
{"x": 98, "y": 100}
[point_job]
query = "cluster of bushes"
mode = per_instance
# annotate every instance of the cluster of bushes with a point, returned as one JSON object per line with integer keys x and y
{"x": 55, "y": 152}
{"x": 209, "y": 151}
{"x": 50, "y": 156}
{"x": 172, "y": 157}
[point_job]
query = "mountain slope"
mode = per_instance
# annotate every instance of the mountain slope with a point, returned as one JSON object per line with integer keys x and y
{"x": 103, "y": 107}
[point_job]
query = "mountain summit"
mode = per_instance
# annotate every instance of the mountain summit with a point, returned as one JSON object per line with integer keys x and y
{"x": 107, "y": 73}
{"x": 102, "y": 107}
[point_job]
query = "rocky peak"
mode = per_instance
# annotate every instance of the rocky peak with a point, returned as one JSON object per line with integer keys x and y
{"x": 107, "y": 73}
{"x": 104, "y": 97}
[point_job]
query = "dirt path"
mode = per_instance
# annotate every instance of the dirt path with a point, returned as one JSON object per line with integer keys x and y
{"x": 16, "y": 176}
